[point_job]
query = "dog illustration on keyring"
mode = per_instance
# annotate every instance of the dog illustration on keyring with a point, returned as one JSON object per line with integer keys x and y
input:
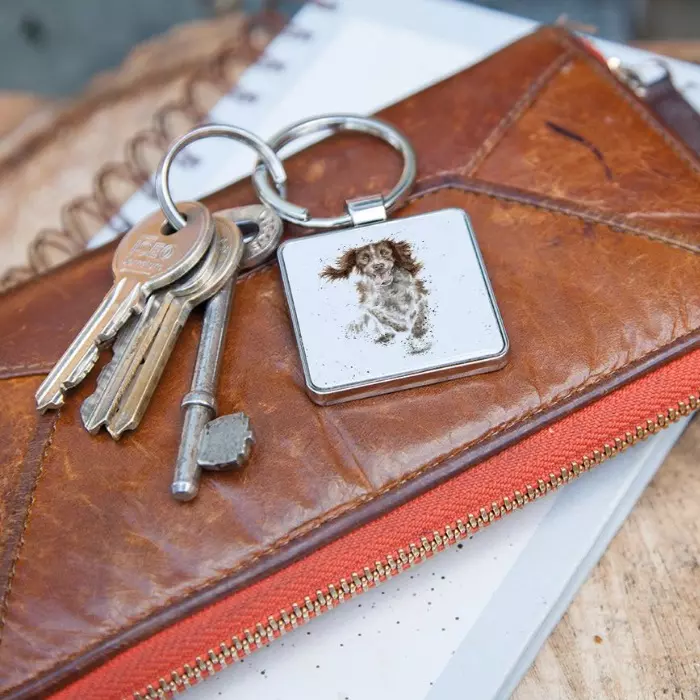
{"x": 392, "y": 298}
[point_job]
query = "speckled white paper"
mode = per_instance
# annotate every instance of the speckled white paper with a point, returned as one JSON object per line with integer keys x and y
{"x": 472, "y": 616}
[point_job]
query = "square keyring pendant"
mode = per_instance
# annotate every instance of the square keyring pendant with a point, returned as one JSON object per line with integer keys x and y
{"x": 391, "y": 305}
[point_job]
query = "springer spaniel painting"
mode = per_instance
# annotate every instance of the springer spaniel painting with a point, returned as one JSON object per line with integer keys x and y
{"x": 391, "y": 297}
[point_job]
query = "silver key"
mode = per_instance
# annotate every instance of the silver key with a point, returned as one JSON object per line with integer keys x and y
{"x": 98, "y": 408}
{"x": 138, "y": 395}
{"x": 219, "y": 443}
{"x": 145, "y": 260}
{"x": 138, "y": 330}
{"x": 121, "y": 342}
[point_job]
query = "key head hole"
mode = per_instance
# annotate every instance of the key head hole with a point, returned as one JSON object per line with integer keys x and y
{"x": 167, "y": 229}
{"x": 249, "y": 229}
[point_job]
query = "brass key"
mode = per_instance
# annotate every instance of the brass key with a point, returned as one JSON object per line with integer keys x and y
{"x": 146, "y": 259}
{"x": 116, "y": 376}
{"x": 138, "y": 395}
{"x": 121, "y": 342}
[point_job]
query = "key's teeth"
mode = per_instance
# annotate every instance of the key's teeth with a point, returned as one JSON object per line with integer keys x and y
{"x": 115, "y": 429}
{"x": 226, "y": 443}
{"x": 82, "y": 368}
{"x": 89, "y": 422}
{"x": 89, "y": 405}
{"x": 92, "y": 422}
{"x": 52, "y": 394}
{"x": 48, "y": 403}
{"x": 133, "y": 305}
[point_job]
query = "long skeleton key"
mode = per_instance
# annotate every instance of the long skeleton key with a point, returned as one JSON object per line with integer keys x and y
{"x": 138, "y": 395}
{"x": 98, "y": 408}
{"x": 224, "y": 442}
{"x": 145, "y": 260}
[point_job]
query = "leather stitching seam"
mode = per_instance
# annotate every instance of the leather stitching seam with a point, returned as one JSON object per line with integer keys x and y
{"x": 574, "y": 51}
{"x": 331, "y": 514}
{"x": 5, "y": 600}
{"x": 520, "y": 108}
{"x": 43, "y": 365}
{"x": 481, "y": 187}
{"x": 649, "y": 119}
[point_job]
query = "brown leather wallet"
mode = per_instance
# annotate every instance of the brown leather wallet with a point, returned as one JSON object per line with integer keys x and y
{"x": 585, "y": 208}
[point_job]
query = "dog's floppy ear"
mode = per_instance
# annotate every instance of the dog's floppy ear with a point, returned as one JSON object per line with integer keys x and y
{"x": 345, "y": 264}
{"x": 403, "y": 255}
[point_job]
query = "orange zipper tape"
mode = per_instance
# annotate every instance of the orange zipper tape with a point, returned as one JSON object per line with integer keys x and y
{"x": 216, "y": 636}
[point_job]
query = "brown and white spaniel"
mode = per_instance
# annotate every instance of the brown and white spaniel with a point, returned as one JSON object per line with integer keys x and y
{"x": 391, "y": 296}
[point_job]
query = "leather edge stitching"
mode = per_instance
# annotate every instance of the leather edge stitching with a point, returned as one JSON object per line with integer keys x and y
{"x": 314, "y": 524}
{"x": 5, "y": 600}
{"x": 517, "y": 196}
{"x": 677, "y": 146}
{"x": 20, "y": 369}
{"x": 518, "y": 110}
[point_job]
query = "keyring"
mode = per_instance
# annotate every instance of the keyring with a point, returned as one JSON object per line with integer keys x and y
{"x": 334, "y": 123}
{"x": 638, "y": 77}
{"x": 265, "y": 153}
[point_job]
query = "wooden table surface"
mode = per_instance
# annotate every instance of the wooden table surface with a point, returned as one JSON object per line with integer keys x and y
{"x": 633, "y": 630}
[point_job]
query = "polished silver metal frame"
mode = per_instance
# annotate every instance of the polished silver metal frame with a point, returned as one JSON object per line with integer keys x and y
{"x": 400, "y": 380}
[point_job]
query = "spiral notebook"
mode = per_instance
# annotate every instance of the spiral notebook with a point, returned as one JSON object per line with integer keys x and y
{"x": 422, "y": 633}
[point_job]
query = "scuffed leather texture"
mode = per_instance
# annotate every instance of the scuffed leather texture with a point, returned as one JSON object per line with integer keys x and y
{"x": 585, "y": 210}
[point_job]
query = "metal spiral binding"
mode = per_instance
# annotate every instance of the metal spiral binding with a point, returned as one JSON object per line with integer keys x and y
{"x": 101, "y": 206}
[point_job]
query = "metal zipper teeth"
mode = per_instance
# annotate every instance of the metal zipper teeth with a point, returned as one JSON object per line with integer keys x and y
{"x": 275, "y": 626}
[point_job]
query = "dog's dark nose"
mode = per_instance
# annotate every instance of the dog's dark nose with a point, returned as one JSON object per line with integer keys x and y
{"x": 379, "y": 267}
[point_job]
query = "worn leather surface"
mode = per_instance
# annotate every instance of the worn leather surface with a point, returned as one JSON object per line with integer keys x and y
{"x": 585, "y": 209}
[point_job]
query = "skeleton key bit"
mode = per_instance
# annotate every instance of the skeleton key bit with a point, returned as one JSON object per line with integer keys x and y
{"x": 224, "y": 442}
{"x": 145, "y": 260}
{"x": 229, "y": 250}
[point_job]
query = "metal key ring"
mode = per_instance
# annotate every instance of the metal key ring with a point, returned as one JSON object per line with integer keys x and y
{"x": 259, "y": 246}
{"x": 265, "y": 153}
{"x": 335, "y": 123}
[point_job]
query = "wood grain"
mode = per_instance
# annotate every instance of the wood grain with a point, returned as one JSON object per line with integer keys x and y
{"x": 633, "y": 630}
